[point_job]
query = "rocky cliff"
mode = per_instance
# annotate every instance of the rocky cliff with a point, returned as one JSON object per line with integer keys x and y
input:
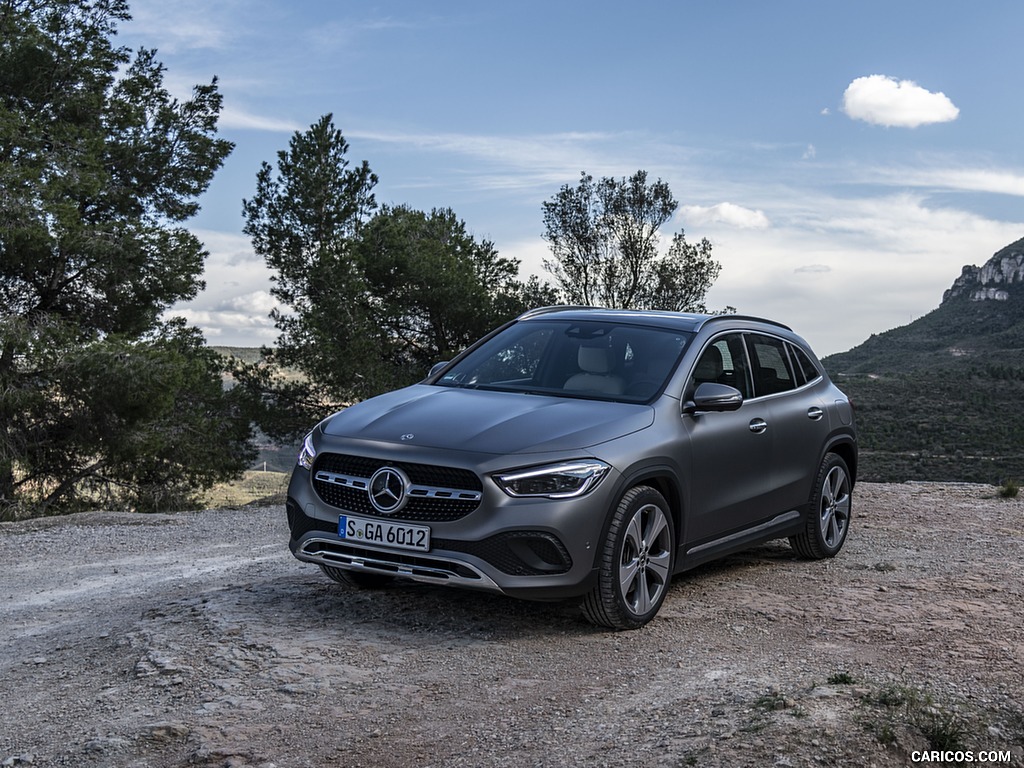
{"x": 979, "y": 323}
{"x": 995, "y": 280}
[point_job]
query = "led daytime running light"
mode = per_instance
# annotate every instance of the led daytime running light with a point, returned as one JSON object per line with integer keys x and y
{"x": 557, "y": 481}
{"x": 308, "y": 453}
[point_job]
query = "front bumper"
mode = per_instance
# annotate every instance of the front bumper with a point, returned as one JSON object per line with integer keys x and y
{"x": 534, "y": 548}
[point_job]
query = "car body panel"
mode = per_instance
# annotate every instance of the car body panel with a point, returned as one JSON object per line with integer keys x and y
{"x": 728, "y": 485}
{"x": 486, "y": 422}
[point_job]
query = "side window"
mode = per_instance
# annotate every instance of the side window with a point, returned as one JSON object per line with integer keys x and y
{"x": 770, "y": 365}
{"x": 724, "y": 361}
{"x": 803, "y": 362}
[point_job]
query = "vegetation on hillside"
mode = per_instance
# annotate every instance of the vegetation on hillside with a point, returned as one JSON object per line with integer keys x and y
{"x": 940, "y": 398}
{"x": 955, "y": 425}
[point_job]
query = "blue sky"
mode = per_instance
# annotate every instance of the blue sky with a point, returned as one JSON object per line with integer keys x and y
{"x": 846, "y": 160}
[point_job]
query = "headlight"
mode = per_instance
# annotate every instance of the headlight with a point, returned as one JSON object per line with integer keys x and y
{"x": 308, "y": 452}
{"x": 555, "y": 481}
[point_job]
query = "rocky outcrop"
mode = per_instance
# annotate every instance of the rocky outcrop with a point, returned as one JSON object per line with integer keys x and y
{"x": 1000, "y": 276}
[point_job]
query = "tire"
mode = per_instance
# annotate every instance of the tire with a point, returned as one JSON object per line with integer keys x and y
{"x": 635, "y": 562}
{"x": 357, "y": 578}
{"x": 828, "y": 511}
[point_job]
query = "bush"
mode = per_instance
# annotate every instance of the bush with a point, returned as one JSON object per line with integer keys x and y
{"x": 1009, "y": 489}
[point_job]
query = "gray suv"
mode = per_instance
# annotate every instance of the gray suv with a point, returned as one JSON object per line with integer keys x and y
{"x": 583, "y": 453}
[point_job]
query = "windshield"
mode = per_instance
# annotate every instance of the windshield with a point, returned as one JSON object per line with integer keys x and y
{"x": 592, "y": 359}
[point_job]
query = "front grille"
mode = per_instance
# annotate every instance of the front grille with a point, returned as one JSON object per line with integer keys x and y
{"x": 441, "y": 506}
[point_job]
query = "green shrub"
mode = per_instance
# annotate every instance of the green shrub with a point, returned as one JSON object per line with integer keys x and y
{"x": 1009, "y": 489}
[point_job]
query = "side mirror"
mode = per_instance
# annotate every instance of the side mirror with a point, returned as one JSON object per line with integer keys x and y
{"x": 436, "y": 368}
{"x": 714, "y": 397}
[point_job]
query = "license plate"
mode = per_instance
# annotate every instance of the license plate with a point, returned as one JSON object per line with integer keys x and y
{"x": 385, "y": 534}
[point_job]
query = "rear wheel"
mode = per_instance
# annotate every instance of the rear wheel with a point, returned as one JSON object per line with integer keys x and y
{"x": 635, "y": 562}
{"x": 828, "y": 511}
{"x": 357, "y": 578}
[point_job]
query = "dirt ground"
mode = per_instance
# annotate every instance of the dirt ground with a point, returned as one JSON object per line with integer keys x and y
{"x": 196, "y": 639}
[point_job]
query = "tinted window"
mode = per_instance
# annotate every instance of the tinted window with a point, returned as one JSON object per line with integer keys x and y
{"x": 723, "y": 361}
{"x": 574, "y": 359}
{"x": 770, "y": 365}
{"x": 803, "y": 362}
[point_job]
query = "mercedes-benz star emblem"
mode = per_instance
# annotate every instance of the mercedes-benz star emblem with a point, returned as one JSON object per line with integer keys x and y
{"x": 387, "y": 490}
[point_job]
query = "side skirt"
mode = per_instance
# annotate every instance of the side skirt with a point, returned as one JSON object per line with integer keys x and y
{"x": 783, "y": 525}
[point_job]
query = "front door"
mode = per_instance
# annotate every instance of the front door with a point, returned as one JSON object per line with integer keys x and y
{"x": 730, "y": 453}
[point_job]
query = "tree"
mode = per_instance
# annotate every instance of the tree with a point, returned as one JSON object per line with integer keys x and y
{"x": 302, "y": 221}
{"x": 99, "y": 168}
{"x": 372, "y": 300}
{"x": 432, "y": 289}
{"x": 604, "y": 239}
{"x": 684, "y": 276}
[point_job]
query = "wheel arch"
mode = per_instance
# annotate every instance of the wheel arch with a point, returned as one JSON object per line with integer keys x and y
{"x": 664, "y": 480}
{"x": 846, "y": 449}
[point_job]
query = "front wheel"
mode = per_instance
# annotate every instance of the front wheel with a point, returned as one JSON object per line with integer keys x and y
{"x": 635, "y": 562}
{"x": 828, "y": 511}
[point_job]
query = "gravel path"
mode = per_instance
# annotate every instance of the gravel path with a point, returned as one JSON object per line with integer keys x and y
{"x": 196, "y": 639}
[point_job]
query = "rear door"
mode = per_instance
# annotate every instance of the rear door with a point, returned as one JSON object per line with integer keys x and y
{"x": 786, "y": 387}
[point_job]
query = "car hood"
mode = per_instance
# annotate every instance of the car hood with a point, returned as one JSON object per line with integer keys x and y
{"x": 487, "y": 422}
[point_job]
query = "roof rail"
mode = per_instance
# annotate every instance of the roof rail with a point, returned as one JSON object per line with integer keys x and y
{"x": 712, "y": 318}
{"x": 555, "y": 308}
{"x": 704, "y": 319}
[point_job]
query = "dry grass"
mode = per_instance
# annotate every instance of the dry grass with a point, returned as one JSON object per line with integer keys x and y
{"x": 253, "y": 486}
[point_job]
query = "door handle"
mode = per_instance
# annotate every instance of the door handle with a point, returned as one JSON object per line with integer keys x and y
{"x": 814, "y": 413}
{"x": 757, "y": 426}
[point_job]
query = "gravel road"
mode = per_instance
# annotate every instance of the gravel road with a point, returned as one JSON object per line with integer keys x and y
{"x": 195, "y": 639}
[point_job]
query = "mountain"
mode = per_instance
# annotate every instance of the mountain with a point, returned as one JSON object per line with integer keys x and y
{"x": 940, "y": 398}
{"x": 979, "y": 322}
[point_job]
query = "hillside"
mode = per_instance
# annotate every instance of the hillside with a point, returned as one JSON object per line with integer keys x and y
{"x": 939, "y": 399}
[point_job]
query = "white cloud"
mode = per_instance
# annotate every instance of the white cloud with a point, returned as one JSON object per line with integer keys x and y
{"x": 237, "y": 118}
{"x": 729, "y": 214}
{"x": 961, "y": 179}
{"x": 257, "y": 302}
{"x": 840, "y": 269}
{"x": 233, "y": 329}
{"x": 182, "y": 25}
{"x": 528, "y": 149}
{"x": 234, "y": 308}
{"x": 884, "y": 100}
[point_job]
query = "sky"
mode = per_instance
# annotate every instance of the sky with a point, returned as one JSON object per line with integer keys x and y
{"x": 845, "y": 160}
